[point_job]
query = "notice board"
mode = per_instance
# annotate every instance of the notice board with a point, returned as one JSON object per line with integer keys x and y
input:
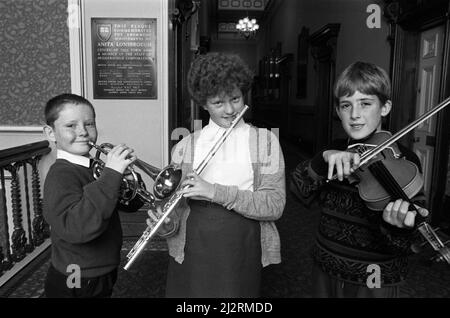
{"x": 124, "y": 58}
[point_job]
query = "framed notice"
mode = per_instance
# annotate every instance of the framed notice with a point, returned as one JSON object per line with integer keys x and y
{"x": 124, "y": 58}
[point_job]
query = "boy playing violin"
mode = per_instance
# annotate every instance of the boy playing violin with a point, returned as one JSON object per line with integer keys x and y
{"x": 351, "y": 238}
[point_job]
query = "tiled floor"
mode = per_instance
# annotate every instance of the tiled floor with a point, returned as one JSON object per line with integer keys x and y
{"x": 290, "y": 279}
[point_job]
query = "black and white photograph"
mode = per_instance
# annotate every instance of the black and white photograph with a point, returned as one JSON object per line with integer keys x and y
{"x": 225, "y": 156}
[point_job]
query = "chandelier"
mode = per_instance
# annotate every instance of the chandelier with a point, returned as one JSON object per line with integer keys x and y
{"x": 247, "y": 27}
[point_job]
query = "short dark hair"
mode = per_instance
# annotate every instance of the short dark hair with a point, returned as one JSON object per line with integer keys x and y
{"x": 214, "y": 73}
{"x": 366, "y": 78}
{"x": 57, "y": 103}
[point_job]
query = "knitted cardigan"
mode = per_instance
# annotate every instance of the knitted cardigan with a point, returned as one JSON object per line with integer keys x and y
{"x": 265, "y": 204}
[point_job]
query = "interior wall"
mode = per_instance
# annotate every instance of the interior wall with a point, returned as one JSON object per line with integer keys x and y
{"x": 10, "y": 137}
{"x": 140, "y": 123}
{"x": 355, "y": 42}
{"x": 34, "y": 66}
{"x": 245, "y": 49}
{"x": 34, "y": 59}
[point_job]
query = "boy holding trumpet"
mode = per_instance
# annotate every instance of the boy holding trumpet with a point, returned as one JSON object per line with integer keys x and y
{"x": 82, "y": 212}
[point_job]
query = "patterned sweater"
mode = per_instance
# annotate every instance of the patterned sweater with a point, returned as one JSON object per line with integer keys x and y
{"x": 350, "y": 236}
{"x": 265, "y": 204}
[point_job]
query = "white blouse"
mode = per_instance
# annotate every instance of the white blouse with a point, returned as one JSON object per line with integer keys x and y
{"x": 231, "y": 165}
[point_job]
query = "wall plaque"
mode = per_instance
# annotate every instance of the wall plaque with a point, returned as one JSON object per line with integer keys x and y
{"x": 124, "y": 58}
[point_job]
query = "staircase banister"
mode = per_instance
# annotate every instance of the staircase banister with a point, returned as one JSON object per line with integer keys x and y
{"x": 19, "y": 153}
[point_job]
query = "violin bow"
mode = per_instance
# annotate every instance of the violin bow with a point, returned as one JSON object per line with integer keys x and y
{"x": 424, "y": 228}
{"x": 433, "y": 239}
{"x": 375, "y": 151}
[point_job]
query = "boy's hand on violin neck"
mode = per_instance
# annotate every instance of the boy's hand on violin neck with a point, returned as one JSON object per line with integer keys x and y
{"x": 399, "y": 214}
{"x": 344, "y": 162}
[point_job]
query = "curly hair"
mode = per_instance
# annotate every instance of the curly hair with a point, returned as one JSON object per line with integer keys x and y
{"x": 212, "y": 74}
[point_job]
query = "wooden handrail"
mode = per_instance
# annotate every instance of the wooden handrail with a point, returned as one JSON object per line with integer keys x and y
{"x": 29, "y": 229}
{"x": 10, "y": 155}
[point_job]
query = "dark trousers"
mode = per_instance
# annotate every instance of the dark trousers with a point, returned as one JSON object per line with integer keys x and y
{"x": 92, "y": 287}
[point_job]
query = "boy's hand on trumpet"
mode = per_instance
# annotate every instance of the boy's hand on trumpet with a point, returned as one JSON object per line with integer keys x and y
{"x": 154, "y": 216}
{"x": 119, "y": 158}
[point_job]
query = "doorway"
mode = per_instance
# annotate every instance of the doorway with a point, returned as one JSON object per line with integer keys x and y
{"x": 428, "y": 78}
{"x": 420, "y": 72}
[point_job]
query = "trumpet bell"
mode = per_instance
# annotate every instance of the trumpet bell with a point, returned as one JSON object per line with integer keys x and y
{"x": 167, "y": 181}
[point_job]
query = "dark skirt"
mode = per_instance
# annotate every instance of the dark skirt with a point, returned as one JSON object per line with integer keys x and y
{"x": 222, "y": 255}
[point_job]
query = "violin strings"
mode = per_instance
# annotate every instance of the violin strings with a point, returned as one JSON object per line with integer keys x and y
{"x": 374, "y": 151}
{"x": 387, "y": 181}
{"x": 395, "y": 187}
{"x": 390, "y": 182}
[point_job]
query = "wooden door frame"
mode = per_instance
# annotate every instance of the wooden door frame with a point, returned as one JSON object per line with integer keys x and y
{"x": 323, "y": 50}
{"x": 406, "y": 23}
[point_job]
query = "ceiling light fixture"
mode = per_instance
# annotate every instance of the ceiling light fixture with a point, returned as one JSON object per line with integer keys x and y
{"x": 247, "y": 27}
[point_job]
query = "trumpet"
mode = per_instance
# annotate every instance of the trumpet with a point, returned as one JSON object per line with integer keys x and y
{"x": 174, "y": 200}
{"x": 166, "y": 180}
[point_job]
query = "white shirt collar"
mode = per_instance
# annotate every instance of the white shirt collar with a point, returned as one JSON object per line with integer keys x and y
{"x": 212, "y": 125}
{"x": 76, "y": 159}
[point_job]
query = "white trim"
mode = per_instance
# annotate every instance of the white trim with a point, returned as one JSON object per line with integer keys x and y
{"x": 21, "y": 129}
{"x": 195, "y": 114}
{"x": 76, "y": 46}
{"x": 20, "y": 265}
{"x": 164, "y": 25}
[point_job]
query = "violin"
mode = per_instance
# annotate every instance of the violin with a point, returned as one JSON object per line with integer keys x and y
{"x": 384, "y": 175}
